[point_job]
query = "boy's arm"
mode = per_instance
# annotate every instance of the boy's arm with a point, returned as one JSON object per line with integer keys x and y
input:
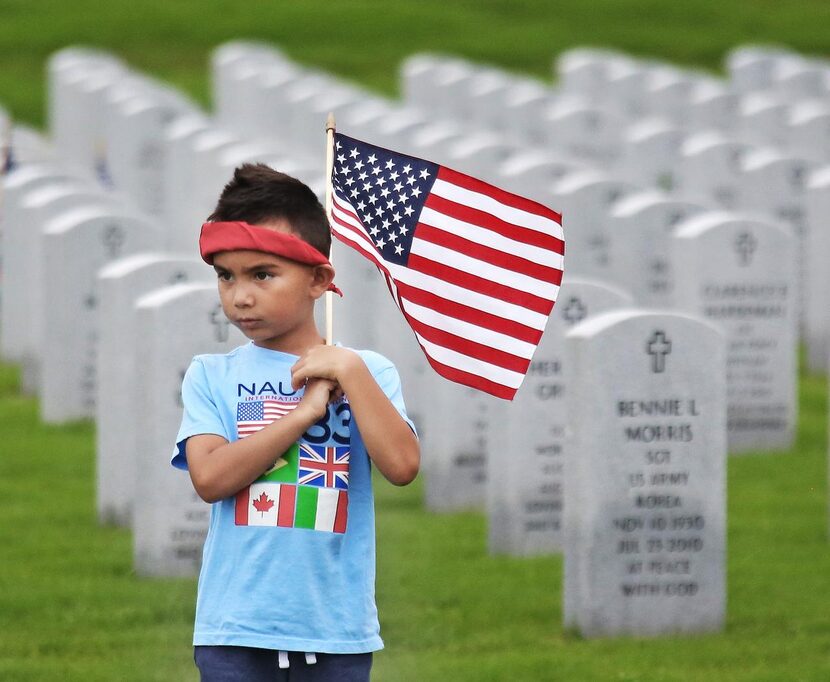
{"x": 220, "y": 469}
{"x": 389, "y": 440}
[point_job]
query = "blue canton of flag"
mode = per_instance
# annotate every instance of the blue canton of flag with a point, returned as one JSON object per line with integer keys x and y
{"x": 387, "y": 191}
{"x": 324, "y": 467}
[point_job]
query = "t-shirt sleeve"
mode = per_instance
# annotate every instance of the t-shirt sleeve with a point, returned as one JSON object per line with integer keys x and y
{"x": 389, "y": 380}
{"x": 200, "y": 415}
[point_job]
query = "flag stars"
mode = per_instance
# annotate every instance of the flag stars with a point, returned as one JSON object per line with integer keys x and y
{"x": 386, "y": 224}
{"x": 416, "y": 193}
{"x": 424, "y": 174}
{"x": 367, "y": 187}
{"x": 375, "y": 170}
{"x": 337, "y": 145}
{"x": 363, "y": 176}
{"x": 394, "y": 175}
{"x": 379, "y": 211}
{"x": 353, "y": 153}
{"x": 349, "y": 181}
{"x": 381, "y": 181}
{"x": 398, "y": 186}
{"x": 407, "y": 169}
{"x": 374, "y": 230}
{"x": 372, "y": 199}
{"x": 361, "y": 206}
{"x": 398, "y": 249}
{"x": 389, "y": 165}
{"x": 341, "y": 158}
{"x": 396, "y": 217}
{"x": 408, "y": 211}
{"x": 372, "y": 159}
{"x": 390, "y": 204}
{"x": 354, "y": 193}
{"x": 381, "y": 243}
{"x": 385, "y": 192}
{"x": 359, "y": 164}
{"x": 410, "y": 180}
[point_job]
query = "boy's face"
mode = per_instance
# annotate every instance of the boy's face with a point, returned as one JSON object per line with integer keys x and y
{"x": 270, "y": 298}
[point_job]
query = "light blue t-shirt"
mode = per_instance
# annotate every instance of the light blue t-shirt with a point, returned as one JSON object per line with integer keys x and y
{"x": 289, "y": 562}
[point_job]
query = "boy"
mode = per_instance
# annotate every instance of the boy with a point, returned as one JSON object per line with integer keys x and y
{"x": 278, "y": 435}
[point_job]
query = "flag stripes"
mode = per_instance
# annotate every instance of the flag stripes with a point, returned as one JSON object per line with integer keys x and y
{"x": 474, "y": 269}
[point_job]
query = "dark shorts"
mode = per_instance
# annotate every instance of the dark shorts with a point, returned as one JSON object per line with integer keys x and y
{"x": 246, "y": 664}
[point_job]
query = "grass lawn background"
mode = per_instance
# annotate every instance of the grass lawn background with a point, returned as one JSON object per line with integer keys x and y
{"x": 70, "y": 606}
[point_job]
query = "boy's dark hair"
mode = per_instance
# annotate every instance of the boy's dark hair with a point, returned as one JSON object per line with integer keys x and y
{"x": 258, "y": 193}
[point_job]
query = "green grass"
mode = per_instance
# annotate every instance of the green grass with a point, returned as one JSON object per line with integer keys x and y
{"x": 365, "y": 41}
{"x": 71, "y": 607}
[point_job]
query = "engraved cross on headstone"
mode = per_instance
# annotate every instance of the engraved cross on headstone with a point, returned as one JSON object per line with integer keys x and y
{"x": 220, "y": 324}
{"x": 575, "y": 311}
{"x": 658, "y": 347}
{"x": 113, "y": 240}
{"x": 745, "y": 245}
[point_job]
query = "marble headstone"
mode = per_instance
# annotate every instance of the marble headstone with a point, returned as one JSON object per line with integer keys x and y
{"x": 645, "y": 476}
{"x": 76, "y": 245}
{"x": 638, "y": 235}
{"x": 169, "y": 519}
{"x": 817, "y": 329}
{"x": 120, "y": 283}
{"x": 739, "y": 273}
{"x": 525, "y": 483}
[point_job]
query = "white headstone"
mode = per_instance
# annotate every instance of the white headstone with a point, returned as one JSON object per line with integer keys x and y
{"x": 525, "y": 487}
{"x": 739, "y": 273}
{"x": 773, "y": 183}
{"x": 76, "y": 245}
{"x": 169, "y": 519}
{"x": 585, "y": 199}
{"x": 645, "y": 476}
{"x": 584, "y": 131}
{"x": 817, "y": 319}
{"x": 650, "y": 153}
{"x": 120, "y": 284}
{"x": 639, "y": 234}
{"x": 534, "y": 173}
{"x": 808, "y": 130}
{"x": 710, "y": 168}
{"x": 40, "y": 206}
{"x": 750, "y": 67}
{"x": 13, "y": 232}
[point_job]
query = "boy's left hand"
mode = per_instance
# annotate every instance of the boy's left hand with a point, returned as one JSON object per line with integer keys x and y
{"x": 323, "y": 362}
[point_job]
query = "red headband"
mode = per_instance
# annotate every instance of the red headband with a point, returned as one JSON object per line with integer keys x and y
{"x": 238, "y": 236}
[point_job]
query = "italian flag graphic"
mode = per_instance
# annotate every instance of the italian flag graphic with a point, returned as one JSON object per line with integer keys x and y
{"x": 275, "y": 499}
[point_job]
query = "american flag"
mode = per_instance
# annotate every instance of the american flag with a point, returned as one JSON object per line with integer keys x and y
{"x": 327, "y": 467}
{"x": 475, "y": 270}
{"x": 253, "y": 415}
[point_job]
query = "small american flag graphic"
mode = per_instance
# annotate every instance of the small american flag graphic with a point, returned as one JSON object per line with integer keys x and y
{"x": 253, "y": 415}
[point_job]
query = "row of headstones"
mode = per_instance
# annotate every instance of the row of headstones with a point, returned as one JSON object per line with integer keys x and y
{"x": 769, "y": 98}
{"x": 709, "y": 168}
{"x": 257, "y": 86}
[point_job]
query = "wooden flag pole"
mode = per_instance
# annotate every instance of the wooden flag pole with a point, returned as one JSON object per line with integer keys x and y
{"x": 330, "y": 127}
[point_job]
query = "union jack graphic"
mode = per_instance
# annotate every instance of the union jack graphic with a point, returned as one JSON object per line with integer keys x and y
{"x": 324, "y": 467}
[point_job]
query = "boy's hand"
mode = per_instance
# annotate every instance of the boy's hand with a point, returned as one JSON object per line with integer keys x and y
{"x": 317, "y": 396}
{"x": 324, "y": 362}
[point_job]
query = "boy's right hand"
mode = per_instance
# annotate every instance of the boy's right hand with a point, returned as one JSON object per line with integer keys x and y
{"x": 317, "y": 396}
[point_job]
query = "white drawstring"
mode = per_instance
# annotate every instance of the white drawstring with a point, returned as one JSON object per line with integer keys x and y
{"x": 282, "y": 659}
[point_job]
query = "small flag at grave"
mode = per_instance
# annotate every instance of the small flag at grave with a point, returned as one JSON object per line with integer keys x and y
{"x": 474, "y": 269}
